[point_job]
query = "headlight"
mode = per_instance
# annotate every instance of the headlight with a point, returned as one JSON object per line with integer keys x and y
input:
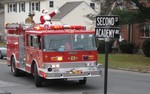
{"x": 51, "y": 67}
{"x": 48, "y": 65}
{"x": 59, "y": 58}
{"x": 55, "y": 66}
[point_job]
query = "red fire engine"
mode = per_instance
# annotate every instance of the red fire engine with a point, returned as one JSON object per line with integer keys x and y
{"x": 52, "y": 52}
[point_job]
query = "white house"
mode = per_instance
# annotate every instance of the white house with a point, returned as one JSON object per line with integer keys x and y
{"x": 75, "y": 13}
{"x": 16, "y": 11}
{"x": 1, "y": 20}
{"x": 2, "y": 34}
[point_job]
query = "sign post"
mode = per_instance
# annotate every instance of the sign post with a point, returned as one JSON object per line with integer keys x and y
{"x": 107, "y": 28}
{"x": 106, "y": 65}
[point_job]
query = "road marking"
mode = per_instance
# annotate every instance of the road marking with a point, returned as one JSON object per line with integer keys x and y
{"x": 6, "y": 84}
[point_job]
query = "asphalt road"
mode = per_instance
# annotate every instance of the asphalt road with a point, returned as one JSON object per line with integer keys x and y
{"x": 119, "y": 82}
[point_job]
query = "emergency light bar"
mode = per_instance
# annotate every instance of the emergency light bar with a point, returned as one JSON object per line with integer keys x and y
{"x": 16, "y": 26}
{"x": 44, "y": 27}
{"x": 58, "y": 27}
{"x": 12, "y": 26}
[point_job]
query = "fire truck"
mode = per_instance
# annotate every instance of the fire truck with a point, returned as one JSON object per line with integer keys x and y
{"x": 52, "y": 52}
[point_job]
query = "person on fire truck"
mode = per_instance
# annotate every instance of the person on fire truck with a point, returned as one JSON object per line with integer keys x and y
{"x": 45, "y": 18}
{"x": 30, "y": 20}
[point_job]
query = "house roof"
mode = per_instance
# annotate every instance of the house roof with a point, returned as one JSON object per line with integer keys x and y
{"x": 11, "y": 1}
{"x": 67, "y": 8}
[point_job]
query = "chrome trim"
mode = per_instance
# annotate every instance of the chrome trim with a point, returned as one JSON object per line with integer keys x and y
{"x": 28, "y": 65}
{"x": 69, "y": 64}
{"x": 65, "y": 70}
{"x": 70, "y": 75}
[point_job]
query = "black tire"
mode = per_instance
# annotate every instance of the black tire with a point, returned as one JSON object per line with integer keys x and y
{"x": 1, "y": 55}
{"x": 14, "y": 70}
{"x": 37, "y": 78}
{"x": 83, "y": 82}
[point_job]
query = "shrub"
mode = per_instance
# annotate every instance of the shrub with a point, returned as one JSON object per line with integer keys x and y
{"x": 101, "y": 46}
{"x": 146, "y": 47}
{"x": 126, "y": 47}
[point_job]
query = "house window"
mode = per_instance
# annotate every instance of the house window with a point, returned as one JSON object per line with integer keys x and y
{"x": 51, "y": 4}
{"x": 145, "y": 31}
{"x": 35, "y": 6}
{"x": 133, "y": 5}
{"x": 21, "y": 7}
{"x": 12, "y": 7}
{"x": 92, "y": 5}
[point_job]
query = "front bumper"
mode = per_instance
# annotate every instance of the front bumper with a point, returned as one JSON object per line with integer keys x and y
{"x": 60, "y": 73}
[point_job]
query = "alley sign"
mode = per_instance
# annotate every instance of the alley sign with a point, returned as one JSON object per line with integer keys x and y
{"x": 102, "y": 21}
{"x": 107, "y": 32}
{"x": 107, "y": 27}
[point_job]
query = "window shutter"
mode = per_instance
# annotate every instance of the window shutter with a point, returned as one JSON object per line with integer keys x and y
{"x": 39, "y": 6}
{"x": 16, "y": 7}
{"x": 24, "y": 6}
{"x": 19, "y": 8}
{"x": 29, "y": 6}
{"x": 8, "y": 8}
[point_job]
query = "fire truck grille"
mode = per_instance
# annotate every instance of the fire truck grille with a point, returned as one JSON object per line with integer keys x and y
{"x": 72, "y": 65}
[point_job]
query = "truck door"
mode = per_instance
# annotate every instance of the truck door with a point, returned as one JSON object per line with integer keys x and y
{"x": 33, "y": 49}
{"x": 21, "y": 51}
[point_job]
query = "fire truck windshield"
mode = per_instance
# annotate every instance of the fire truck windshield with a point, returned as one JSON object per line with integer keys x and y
{"x": 68, "y": 42}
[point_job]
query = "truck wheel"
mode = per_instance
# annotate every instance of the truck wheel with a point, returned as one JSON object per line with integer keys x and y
{"x": 37, "y": 78}
{"x": 14, "y": 70}
{"x": 83, "y": 82}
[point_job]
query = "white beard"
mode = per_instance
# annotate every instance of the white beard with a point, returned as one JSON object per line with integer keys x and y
{"x": 47, "y": 19}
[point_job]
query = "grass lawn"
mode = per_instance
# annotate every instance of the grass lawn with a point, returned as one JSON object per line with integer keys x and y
{"x": 133, "y": 62}
{"x": 2, "y": 44}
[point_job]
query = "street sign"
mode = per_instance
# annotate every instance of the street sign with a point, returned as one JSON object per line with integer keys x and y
{"x": 107, "y": 27}
{"x": 104, "y": 32}
{"x": 102, "y": 21}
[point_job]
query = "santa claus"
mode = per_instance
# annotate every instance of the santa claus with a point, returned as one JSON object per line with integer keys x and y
{"x": 46, "y": 18}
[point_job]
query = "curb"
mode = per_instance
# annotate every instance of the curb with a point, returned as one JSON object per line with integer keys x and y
{"x": 132, "y": 70}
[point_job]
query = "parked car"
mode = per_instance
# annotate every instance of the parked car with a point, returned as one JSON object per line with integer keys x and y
{"x": 3, "y": 52}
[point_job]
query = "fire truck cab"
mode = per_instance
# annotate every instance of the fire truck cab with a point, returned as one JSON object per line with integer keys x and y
{"x": 52, "y": 52}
